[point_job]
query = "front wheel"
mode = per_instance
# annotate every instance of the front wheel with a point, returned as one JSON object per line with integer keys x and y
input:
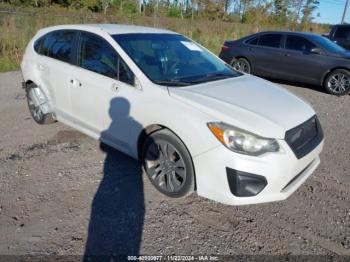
{"x": 338, "y": 82}
{"x": 241, "y": 65}
{"x": 168, "y": 164}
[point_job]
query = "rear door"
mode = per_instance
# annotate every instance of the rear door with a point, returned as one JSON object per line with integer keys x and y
{"x": 341, "y": 36}
{"x": 299, "y": 63}
{"x": 101, "y": 78}
{"x": 54, "y": 65}
{"x": 266, "y": 55}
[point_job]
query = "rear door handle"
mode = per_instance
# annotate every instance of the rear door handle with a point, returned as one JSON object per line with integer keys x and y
{"x": 41, "y": 67}
{"x": 75, "y": 82}
{"x": 286, "y": 54}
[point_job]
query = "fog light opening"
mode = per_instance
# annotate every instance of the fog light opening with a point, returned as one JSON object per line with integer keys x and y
{"x": 244, "y": 184}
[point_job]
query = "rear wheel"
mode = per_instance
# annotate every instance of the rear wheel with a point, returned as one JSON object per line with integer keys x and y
{"x": 338, "y": 82}
{"x": 38, "y": 105}
{"x": 168, "y": 164}
{"x": 241, "y": 65}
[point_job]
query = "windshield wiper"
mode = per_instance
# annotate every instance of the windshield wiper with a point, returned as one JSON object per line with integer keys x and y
{"x": 212, "y": 77}
{"x": 172, "y": 82}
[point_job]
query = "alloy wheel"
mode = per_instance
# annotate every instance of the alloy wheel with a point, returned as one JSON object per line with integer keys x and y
{"x": 339, "y": 83}
{"x": 241, "y": 66}
{"x": 165, "y": 166}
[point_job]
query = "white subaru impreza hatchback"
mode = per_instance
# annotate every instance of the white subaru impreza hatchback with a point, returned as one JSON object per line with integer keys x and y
{"x": 194, "y": 122}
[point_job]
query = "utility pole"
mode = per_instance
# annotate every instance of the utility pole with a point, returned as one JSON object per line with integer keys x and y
{"x": 344, "y": 13}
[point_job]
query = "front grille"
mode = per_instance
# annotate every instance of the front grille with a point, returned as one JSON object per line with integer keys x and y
{"x": 305, "y": 137}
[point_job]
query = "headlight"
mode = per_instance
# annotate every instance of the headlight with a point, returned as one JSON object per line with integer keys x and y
{"x": 241, "y": 141}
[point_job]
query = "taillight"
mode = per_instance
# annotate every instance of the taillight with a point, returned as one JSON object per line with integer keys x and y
{"x": 224, "y": 48}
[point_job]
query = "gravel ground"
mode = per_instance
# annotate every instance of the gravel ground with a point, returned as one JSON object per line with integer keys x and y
{"x": 62, "y": 193}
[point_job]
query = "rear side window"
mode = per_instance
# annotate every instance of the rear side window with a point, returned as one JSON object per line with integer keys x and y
{"x": 97, "y": 55}
{"x": 58, "y": 45}
{"x": 253, "y": 41}
{"x": 298, "y": 43}
{"x": 270, "y": 40}
{"x": 342, "y": 32}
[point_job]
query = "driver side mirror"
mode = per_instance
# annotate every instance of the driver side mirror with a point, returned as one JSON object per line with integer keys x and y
{"x": 315, "y": 51}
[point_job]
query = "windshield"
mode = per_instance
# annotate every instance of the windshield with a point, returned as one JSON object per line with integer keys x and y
{"x": 329, "y": 45}
{"x": 173, "y": 60}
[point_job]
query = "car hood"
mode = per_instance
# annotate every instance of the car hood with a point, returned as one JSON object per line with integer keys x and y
{"x": 247, "y": 102}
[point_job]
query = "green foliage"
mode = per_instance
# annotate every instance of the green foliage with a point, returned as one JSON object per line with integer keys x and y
{"x": 208, "y": 27}
{"x": 7, "y": 64}
{"x": 174, "y": 11}
{"x": 130, "y": 7}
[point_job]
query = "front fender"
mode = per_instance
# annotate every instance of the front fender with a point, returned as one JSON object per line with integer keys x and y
{"x": 188, "y": 123}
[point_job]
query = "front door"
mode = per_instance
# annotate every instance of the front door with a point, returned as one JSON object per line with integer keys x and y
{"x": 298, "y": 63}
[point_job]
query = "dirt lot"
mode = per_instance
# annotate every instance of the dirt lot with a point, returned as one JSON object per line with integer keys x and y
{"x": 61, "y": 193}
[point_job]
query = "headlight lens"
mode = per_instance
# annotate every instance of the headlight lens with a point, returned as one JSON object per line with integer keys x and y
{"x": 242, "y": 141}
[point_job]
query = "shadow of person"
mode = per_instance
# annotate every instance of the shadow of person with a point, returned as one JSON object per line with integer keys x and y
{"x": 117, "y": 211}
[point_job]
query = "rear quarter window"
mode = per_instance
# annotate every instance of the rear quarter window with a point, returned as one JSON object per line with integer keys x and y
{"x": 252, "y": 41}
{"x": 37, "y": 45}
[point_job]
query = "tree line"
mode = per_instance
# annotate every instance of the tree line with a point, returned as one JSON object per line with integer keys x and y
{"x": 260, "y": 12}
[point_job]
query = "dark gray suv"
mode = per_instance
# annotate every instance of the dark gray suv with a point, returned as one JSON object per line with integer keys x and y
{"x": 340, "y": 34}
{"x": 301, "y": 57}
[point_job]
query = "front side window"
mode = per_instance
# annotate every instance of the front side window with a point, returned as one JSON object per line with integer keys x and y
{"x": 328, "y": 44}
{"x": 173, "y": 60}
{"x": 298, "y": 43}
{"x": 97, "y": 55}
{"x": 270, "y": 40}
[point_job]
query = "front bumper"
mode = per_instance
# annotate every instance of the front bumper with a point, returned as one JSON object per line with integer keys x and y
{"x": 284, "y": 173}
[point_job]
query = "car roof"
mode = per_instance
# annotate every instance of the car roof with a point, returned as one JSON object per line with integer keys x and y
{"x": 289, "y": 32}
{"x": 112, "y": 29}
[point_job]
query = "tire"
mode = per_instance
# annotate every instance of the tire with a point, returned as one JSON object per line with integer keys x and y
{"x": 36, "y": 111}
{"x": 338, "y": 82}
{"x": 241, "y": 65}
{"x": 172, "y": 171}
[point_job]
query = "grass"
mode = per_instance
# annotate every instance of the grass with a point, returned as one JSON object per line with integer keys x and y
{"x": 19, "y": 26}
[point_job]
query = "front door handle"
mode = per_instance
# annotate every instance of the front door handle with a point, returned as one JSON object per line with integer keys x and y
{"x": 286, "y": 54}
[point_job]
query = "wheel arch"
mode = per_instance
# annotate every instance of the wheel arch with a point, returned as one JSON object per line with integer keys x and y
{"x": 27, "y": 83}
{"x": 144, "y": 134}
{"x": 153, "y": 128}
{"x": 240, "y": 56}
